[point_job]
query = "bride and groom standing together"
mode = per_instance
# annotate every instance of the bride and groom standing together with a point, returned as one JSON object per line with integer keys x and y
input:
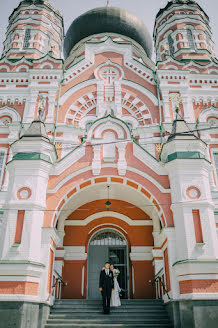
{"x": 109, "y": 287}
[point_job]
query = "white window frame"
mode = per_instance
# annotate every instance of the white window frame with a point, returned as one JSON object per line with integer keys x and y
{"x": 3, "y": 150}
{"x": 213, "y": 152}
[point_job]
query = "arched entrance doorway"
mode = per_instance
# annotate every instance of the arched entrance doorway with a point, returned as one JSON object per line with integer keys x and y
{"x": 81, "y": 221}
{"x": 107, "y": 244}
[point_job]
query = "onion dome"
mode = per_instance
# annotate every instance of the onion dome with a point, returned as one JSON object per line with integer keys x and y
{"x": 108, "y": 20}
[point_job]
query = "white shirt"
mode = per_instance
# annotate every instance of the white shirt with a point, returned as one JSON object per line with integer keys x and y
{"x": 107, "y": 271}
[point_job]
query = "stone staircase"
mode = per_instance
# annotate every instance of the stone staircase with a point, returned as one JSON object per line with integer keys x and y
{"x": 88, "y": 314}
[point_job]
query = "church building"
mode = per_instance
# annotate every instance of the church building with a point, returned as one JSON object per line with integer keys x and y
{"x": 108, "y": 155}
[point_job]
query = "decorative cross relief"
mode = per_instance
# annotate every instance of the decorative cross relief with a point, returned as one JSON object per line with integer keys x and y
{"x": 109, "y": 76}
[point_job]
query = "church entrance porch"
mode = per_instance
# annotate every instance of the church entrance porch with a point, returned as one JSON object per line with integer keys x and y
{"x": 92, "y": 235}
{"x": 107, "y": 245}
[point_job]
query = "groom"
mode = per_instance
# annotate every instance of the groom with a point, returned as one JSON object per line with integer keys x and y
{"x": 106, "y": 284}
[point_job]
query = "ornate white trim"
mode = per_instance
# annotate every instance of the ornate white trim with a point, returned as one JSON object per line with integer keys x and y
{"x": 110, "y": 214}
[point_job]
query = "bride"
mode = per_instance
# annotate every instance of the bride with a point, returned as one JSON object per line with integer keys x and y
{"x": 115, "y": 298}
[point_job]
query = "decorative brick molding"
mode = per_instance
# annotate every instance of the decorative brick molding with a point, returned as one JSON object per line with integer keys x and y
{"x": 19, "y": 287}
{"x": 119, "y": 180}
{"x": 198, "y": 286}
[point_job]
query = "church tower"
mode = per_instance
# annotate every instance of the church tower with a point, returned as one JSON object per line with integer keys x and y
{"x": 35, "y": 28}
{"x": 182, "y": 31}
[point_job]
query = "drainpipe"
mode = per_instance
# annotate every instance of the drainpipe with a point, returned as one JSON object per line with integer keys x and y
{"x": 58, "y": 106}
{"x": 159, "y": 107}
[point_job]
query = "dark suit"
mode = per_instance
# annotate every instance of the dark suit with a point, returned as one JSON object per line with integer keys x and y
{"x": 106, "y": 282}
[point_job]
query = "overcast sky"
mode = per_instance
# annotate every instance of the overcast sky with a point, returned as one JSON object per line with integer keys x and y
{"x": 144, "y": 9}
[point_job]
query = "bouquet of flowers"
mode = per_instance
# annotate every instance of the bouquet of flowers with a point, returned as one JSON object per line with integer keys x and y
{"x": 116, "y": 272}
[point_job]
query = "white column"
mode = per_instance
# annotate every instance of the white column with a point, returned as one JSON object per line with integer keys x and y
{"x": 100, "y": 98}
{"x": 30, "y": 107}
{"x": 117, "y": 87}
{"x": 188, "y": 108}
{"x": 122, "y": 165}
{"x": 167, "y": 118}
{"x": 51, "y": 106}
{"x": 172, "y": 255}
{"x": 96, "y": 163}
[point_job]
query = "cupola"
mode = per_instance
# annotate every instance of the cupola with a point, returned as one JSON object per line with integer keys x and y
{"x": 35, "y": 29}
{"x": 182, "y": 31}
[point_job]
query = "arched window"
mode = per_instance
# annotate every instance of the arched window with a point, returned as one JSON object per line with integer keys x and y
{"x": 26, "y": 38}
{"x": 213, "y": 121}
{"x": 179, "y": 36}
{"x": 3, "y": 153}
{"x": 215, "y": 156}
{"x": 5, "y": 120}
{"x": 191, "y": 39}
{"x": 109, "y": 149}
{"x": 108, "y": 237}
{"x": 171, "y": 45}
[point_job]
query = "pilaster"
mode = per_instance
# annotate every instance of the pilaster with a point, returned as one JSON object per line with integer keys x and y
{"x": 166, "y": 104}
{"x": 96, "y": 163}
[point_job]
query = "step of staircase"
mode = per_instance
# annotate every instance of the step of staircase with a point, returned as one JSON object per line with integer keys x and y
{"x": 88, "y": 314}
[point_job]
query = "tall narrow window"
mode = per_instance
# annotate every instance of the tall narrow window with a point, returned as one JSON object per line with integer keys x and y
{"x": 208, "y": 43}
{"x": 171, "y": 46}
{"x": 19, "y": 227}
{"x": 50, "y": 270}
{"x": 2, "y": 163}
{"x": 216, "y": 163}
{"x": 197, "y": 226}
{"x": 191, "y": 40}
{"x": 26, "y": 39}
{"x": 167, "y": 271}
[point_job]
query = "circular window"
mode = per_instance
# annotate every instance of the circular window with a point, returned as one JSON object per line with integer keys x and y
{"x": 24, "y": 193}
{"x": 213, "y": 121}
{"x": 193, "y": 192}
{"x": 5, "y": 121}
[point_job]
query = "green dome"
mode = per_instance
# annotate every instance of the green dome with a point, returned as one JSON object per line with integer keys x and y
{"x": 111, "y": 20}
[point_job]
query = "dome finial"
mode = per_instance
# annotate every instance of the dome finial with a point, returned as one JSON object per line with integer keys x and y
{"x": 108, "y": 4}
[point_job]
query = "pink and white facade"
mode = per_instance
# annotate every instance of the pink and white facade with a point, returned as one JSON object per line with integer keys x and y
{"x": 109, "y": 119}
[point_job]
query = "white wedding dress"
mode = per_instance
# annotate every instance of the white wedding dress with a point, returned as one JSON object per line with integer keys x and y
{"x": 115, "y": 298}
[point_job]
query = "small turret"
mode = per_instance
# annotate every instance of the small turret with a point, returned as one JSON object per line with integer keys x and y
{"x": 185, "y": 158}
{"x": 35, "y": 29}
{"x": 182, "y": 31}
